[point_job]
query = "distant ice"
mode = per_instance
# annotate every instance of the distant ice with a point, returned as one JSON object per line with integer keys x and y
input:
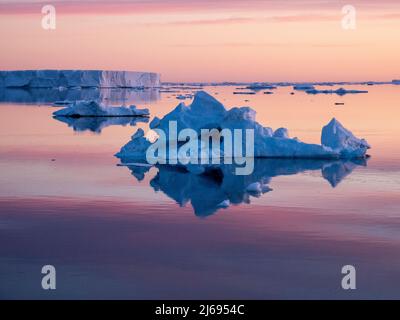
{"x": 261, "y": 86}
{"x": 303, "y": 87}
{"x": 340, "y": 91}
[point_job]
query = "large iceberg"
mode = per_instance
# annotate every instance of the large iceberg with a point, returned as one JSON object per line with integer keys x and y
{"x": 207, "y": 113}
{"x": 78, "y": 78}
{"x": 93, "y": 109}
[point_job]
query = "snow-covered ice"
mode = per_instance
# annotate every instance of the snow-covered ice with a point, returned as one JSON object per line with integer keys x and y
{"x": 94, "y": 109}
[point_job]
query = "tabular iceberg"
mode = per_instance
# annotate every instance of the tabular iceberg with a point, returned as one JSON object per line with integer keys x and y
{"x": 207, "y": 113}
{"x": 93, "y": 109}
{"x": 78, "y": 78}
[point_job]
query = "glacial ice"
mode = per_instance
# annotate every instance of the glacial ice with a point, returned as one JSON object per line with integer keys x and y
{"x": 94, "y": 109}
{"x": 78, "y": 78}
{"x": 206, "y": 112}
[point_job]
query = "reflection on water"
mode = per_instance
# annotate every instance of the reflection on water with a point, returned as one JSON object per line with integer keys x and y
{"x": 96, "y": 124}
{"x": 49, "y": 96}
{"x": 220, "y": 187}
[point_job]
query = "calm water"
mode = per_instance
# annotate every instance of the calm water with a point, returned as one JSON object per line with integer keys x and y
{"x": 122, "y": 232}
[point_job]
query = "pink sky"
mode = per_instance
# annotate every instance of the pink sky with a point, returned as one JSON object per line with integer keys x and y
{"x": 204, "y": 40}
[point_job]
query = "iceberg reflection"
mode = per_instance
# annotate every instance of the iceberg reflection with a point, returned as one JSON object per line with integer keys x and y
{"x": 219, "y": 187}
{"x": 96, "y": 124}
{"x": 51, "y": 96}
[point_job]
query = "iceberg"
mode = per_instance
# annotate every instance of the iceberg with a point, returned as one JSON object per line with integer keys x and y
{"x": 339, "y": 139}
{"x": 93, "y": 109}
{"x": 206, "y": 112}
{"x": 78, "y": 78}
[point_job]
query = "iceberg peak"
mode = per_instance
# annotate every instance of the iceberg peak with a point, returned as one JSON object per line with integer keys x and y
{"x": 337, "y": 137}
{"x": 204, "y": 102}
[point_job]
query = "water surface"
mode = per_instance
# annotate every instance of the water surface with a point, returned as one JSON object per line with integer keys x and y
{"x": 126, "y": 232}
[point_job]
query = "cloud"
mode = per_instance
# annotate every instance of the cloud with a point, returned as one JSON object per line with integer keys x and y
{"x": 167, "y": 6}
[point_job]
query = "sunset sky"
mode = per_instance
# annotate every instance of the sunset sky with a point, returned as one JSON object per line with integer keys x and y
{"x": 204, "y": 40}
